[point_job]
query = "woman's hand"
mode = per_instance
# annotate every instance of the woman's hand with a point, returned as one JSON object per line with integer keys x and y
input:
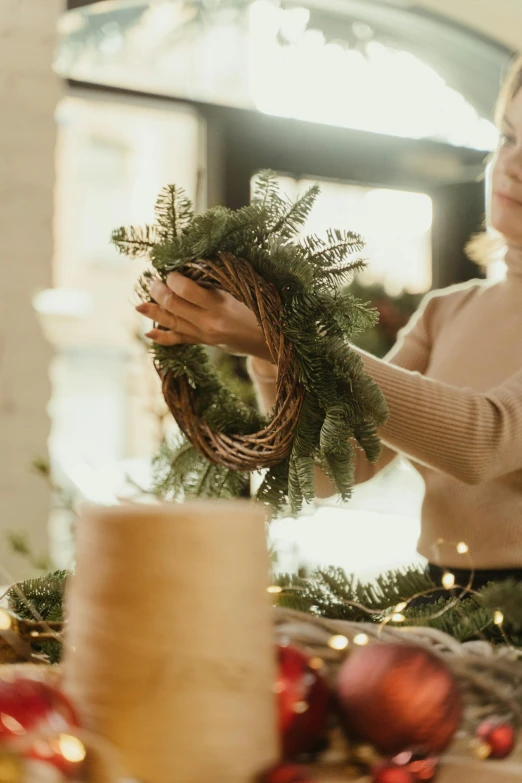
{"x": 191, "y": 314}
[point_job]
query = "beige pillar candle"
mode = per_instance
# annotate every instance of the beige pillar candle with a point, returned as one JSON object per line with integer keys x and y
{"x": 170, "y": 639}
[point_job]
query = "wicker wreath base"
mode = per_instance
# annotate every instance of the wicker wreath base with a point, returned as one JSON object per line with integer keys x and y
{"x": 272, "y": 444}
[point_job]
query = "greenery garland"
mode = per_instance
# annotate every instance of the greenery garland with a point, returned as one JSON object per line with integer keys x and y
{"x": 333, "y": 594}
{"x": 343, "y": 407}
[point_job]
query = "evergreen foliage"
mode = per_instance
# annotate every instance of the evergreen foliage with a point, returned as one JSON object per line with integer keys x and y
{"x": 343, "y": 406}
{"x": 42, "y": 597}
{"x": 332, "y": 593}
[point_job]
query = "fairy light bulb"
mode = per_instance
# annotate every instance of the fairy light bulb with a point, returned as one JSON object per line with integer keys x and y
{"x": 361, "y": 639}
{"x": 498, "y": 618}
{"x": 462, "y": 548}
{"x": 398, "y": 617}
{"x": 401, "y": 607}
{"x": 274, "y": 589}
{"x": 71, "y": 748}
{"x": 448, "y": 580}
{"x": 338, "y": 642}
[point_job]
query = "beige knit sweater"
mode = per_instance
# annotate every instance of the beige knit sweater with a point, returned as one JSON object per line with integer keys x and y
{"x": 453, "y": 385}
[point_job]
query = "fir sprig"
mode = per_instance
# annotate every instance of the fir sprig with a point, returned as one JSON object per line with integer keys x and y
{"x": 342, "y": 404}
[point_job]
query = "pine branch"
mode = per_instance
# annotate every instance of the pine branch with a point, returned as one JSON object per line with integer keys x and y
{"x": 296, "y": 216}
{"x": 174, "y": 213}
{"x": 135, "y": 241}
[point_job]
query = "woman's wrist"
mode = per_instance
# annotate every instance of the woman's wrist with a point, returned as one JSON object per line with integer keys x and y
{"x": 262, "y": 369}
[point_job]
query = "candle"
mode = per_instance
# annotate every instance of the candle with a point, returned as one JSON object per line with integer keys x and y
{"x": 170, "y": 639}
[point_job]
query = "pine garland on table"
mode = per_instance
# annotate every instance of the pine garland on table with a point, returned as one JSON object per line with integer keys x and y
{"x": 342, "y": 405}
{"x": 332, "y": 594}
{"x": 41, "y": 599}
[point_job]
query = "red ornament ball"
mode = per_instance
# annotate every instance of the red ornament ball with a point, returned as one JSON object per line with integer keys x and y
{"x": 36, "y": 708}
{"x": 391, "y": 773}
{"x": 287, "y": 773}
{"x": 31, "y": 705}
{"x": 498, "y": 736}
{"x": 302, "y": 702}
{"x": 399, "y": 697}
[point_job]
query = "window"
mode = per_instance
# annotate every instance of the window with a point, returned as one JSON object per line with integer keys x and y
{"x": 113, "y": 158}
{"x": 378, "y": 529}
{"x": 374, "y": 67}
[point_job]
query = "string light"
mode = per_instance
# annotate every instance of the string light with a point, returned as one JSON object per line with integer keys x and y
{"x": 401, "y": 607}
{"x": 338, "y": 642}
{"x": 462, "y": 548}
{"x": 498, "y": 618}
{"x": 361, "y": 639}
{"x": 71, "y": 748}
{"x": 448, "y": 580}
{"x": 5, "y": 621}
{"x": 398, "y": 618}
{"x": 274, "y": 589}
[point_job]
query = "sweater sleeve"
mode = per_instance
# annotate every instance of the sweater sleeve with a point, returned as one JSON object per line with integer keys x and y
{"x": 472, "y": 436}
{"x": 411, "y": 352}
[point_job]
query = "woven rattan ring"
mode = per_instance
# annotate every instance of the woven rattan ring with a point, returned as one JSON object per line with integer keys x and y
{"x": 272, "y": 444}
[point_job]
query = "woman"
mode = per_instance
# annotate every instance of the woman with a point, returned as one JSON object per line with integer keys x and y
{"x": 453, "y": 383}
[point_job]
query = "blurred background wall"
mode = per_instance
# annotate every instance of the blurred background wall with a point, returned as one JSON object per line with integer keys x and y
{"x": 29, "y": 93}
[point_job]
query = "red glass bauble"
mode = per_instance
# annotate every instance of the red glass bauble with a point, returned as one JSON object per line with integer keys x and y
{"x": 399, "y": 697}
{"x": 302, "y": 701}
{"x": 498, "y": 736}
{"x": 30, "y": 705}
{"x": 34, "y": 707}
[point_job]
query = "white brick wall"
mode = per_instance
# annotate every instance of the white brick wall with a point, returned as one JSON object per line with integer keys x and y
{"x": 28, "y": 95}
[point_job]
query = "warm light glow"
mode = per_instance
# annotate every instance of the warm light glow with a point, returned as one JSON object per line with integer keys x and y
{"x": 448, "y": 580}
{"x": 300, "y": 707}
{"x": 279, "y": 61}
{"x": 398, "y": 618}
{"x": 361, "y": 639}
{"x": 482, "y": 751}
{"x": 338, "y": 642}
{"x": 5, "y": 621}
{"x": 401, "y": 607}
{"x": 11, "y": 724}
{"x": 71, "y": 748}
{"x": 499, "y": 618}
{"x": 295, "y": 72}
{"x": 316, "y": 663}
{"x": 462, "y": 548}
{"x": 274, "y": 589}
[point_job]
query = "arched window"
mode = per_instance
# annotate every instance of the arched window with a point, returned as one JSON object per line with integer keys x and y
{"x": 360, "y": 65}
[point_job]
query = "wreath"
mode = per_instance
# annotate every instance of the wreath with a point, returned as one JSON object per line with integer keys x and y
{"x": 326, "y": 403}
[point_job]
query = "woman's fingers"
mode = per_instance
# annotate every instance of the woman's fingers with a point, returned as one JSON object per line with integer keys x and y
{"x": 206, "y": 298}
{"x": 174, "y": 304}
{"x": 169, "y": 320}
{"x": 168, "y": 338}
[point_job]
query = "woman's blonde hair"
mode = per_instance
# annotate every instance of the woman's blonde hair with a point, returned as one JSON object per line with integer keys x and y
{"x": 489, "y": 245}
